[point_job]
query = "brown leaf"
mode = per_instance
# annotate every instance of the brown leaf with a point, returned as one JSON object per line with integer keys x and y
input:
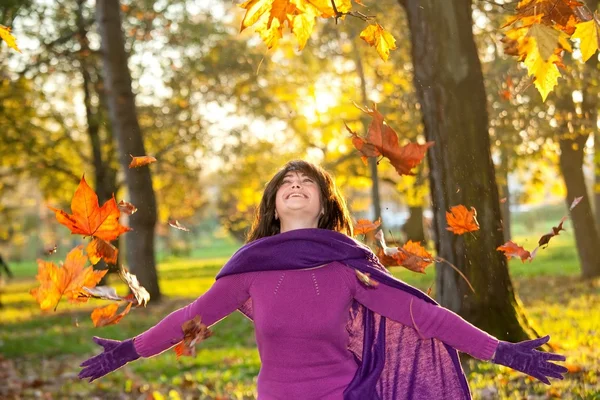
{"x": 194, "y": 331}
{"x": 101, "y": 249}
{"x": 554, "y": 232}
{"x": 365, "y": 279}
{"x": 460, "y": 220}
{"x": 414, "y": 257}
{"x": 126, "y": 207}
{"x": 175, "y": 224}
{"x": 104, "y": 316}
{"x": 140, "y": 161}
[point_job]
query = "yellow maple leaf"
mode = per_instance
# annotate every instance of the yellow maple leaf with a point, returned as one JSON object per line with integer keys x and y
{"x": 8, "y": 37}
{"x": 324, "y": 6}
{"x": 379, "y": 38}
{"x": 589, "y": 35}
{"x": 68, "y": 280}
{"x": 546, "y": 39}
{"x": 546, "y": 72}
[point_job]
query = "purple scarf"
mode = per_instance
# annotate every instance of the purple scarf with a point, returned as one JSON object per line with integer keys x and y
{"x": 394, "y": 362}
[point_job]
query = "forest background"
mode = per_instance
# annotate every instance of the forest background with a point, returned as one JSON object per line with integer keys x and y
{"x": 221, "y": 113}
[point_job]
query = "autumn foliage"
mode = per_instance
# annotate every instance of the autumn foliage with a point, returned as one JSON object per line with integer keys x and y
{"x": 194, "y": 331}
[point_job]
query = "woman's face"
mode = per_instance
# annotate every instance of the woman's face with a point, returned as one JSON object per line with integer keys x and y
{"x": 298, "y": 196}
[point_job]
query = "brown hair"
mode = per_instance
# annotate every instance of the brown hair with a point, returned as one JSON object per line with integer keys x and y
{"x": 336, "y": 216}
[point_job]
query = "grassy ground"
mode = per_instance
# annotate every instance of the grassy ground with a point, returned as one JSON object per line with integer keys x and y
{"x": 40, "y": 353}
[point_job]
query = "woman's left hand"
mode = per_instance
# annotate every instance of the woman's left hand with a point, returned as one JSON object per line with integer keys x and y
{"x": 523, "y": 357}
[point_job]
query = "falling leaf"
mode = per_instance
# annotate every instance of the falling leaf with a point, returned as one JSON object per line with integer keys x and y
{"x": 105, "y": 293}
{"x": 68, "y": 280}
{"x": 460, "y": 220}
{"x": 175, "y": 224}
{"x": 126, "y": 207}
{"x": 88, "y": 218}
{"x": 104, "y": 316}
{"x": 140, "y": 161}
{"x": 414, "y": 257}
{"x": 364, "y": 278}
{"x": 100, "y": 249}
{"x": 8, "y": 37}
{"x": 194, "y": 331}
{"x": 50, "y": 250}
{"x": 512, "y": 249}
{"x": 588, "y": 33}
{"x": 554, "y": 232}
{"x": 364, "y": 226}
{"x": 141, "y": 294}
{"x": 382, "y": 140}
{"x": 576, "y": 201}
{"x": 503, "y": 200}
{"x": 379, "y": 38}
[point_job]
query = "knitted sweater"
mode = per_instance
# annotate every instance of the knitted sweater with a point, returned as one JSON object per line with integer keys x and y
{"x": 300, "y": 321}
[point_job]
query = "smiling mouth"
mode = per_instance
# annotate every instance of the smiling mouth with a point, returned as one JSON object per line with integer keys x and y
{"x": 296, "y": 195}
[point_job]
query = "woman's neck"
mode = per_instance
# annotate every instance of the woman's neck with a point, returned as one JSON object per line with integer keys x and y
{"x": 286, "y": 226}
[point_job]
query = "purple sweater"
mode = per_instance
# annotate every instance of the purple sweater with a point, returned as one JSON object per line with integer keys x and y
{"x": 300, "y": 321}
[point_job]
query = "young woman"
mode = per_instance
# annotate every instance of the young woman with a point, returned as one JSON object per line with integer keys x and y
{"x": 321, "y": 332}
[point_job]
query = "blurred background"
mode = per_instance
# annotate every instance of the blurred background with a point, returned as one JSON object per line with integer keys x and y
{"x": 221, "y": 113}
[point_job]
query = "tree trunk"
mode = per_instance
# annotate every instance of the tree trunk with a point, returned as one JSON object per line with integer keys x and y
{"x": 596, "y": 191}
{"x": 375, "y": 197}
{"x": 586, "y": 234}
{"x": 449, "y": 84}
{"x": 505, "y": 196}
{"x": 121, "y": 102}
{"x": 413, "y": 227}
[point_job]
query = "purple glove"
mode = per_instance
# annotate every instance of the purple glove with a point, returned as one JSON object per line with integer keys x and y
{"x": 115, "y": 355}
{"x": 523, "y": 357}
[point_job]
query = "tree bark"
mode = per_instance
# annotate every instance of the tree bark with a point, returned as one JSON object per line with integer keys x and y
{"x": 449, "y": 84}
{"x": 413, "y": 227}
{"x": 139, "y": 243}
{"x": 505, "y": 194}
{"x": 586, "y": 234}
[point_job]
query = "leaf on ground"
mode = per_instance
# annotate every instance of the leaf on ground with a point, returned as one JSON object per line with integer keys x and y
{"x": 88, "y": 218}
{"x": 99, "y": 249}
{"x": 194, "y": 332}
{"x": 383, "y": 41}
{"x": 511, "y": 249}
{"x": 140, "y": 293}
{"x": 363, "y": 226}
{"x": 126, "y": 207}
{"x": 140, "y": 161}
{"x": 8, "y": 38}
{"x": 103, "y": 316}
{"x": 460, "y": 220}
{"x": 175, "y": 224}
{"x": 68, "y": 280}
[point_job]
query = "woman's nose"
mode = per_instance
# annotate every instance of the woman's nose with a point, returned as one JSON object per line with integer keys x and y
{"x": 296, "y": 185}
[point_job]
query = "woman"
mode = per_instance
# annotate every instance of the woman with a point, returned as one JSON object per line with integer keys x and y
{"x": 321, "y": 332}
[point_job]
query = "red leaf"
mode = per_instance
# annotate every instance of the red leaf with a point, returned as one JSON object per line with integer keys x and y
{"x": 512, "y": 249}
{"x": 364, "y": 226}
{"x": 104, "y": 316}
{"x": 460, "y": 220}
{"x": 137, "y": 162}
{"x": 194, "y": 331}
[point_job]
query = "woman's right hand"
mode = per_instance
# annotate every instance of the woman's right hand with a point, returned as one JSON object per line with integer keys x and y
{"x": 116, "y": 354}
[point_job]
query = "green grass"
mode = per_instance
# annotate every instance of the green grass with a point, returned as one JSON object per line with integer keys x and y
{"x": 47, "y": 347}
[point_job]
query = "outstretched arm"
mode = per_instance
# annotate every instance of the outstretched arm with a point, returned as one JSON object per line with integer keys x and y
{"x": 224, "y": 297}
{"x": 433, "y": 321}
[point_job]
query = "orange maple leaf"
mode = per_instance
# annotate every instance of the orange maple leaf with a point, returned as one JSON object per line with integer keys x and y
{"x": 511, "y": 249}
{"x": 194, "y": 331}
{"x": 460, "y": 220}
{"x": 103, "y": 316}
{"x": 364, "y": 226}
{"x": 414, "y": 257}
{"x": 88, "y": 218}
{"x": 382, "y": 140}
{"x": 140, "y": 161}
{"x": 68, "y": 280}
